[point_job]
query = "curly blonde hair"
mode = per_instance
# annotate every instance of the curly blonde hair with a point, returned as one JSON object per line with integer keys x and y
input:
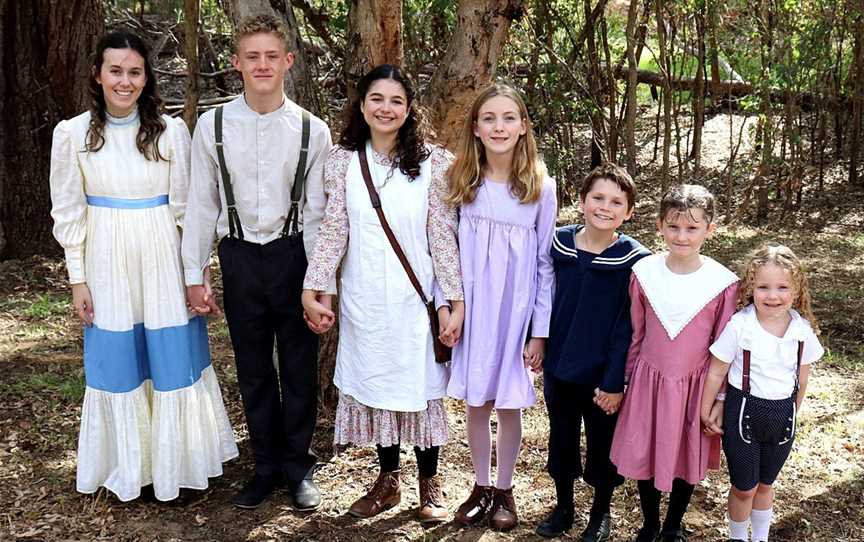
{"x": 261, "y": 24}
{"x": 466, "y": 173}
{"x": 783, "y": 257}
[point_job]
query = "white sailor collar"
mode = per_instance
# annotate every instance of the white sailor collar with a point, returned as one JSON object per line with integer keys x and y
{"x": 749, "y": 326}
{"x": 677, "y": 299}
{"x": 620, "y": 254}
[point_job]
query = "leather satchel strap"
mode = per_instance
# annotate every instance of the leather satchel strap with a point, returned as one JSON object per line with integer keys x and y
{"x": 376, "y": 204}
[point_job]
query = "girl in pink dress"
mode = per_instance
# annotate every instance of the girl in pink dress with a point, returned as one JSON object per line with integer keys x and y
{"x": 680, "y": 302}
{"x": 507, "y": 210}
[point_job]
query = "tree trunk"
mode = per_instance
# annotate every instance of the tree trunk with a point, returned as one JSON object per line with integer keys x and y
{"x": 699, "y": 92}
{"x": 299, "y": 85}
{"x": 598, "y": 130}
{"x": 191, "y": 14}
{"x": 857, "y": 100}
{"x": 667, "y": 93}
{"x": 44, "y": 69}
{"x": 469, "y": 64}
{"x": 630, "y": 122}
{"x": 374, "y": 37}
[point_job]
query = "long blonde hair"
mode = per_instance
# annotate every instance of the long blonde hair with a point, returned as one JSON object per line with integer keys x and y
{"x": 783, "y": 257}
{"x": 466, "y": 172}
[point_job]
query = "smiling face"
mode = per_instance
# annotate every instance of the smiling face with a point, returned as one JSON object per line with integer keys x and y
{"x": 605, "y": 206}
{"x": 499, "y": 125}
{"x": 685, "y": 232}
{"x": 385, "y": 107}
{"x": 122, "y": 78}
{"x": 262, "y": 60}
{"x": 773, "y": 291}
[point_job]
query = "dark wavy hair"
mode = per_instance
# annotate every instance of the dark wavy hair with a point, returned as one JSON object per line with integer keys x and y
{"x": 149, "y": 103}
{"x": 411, "y": 140}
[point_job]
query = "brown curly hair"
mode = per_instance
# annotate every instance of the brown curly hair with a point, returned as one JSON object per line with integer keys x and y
{"x": 413, "y": 135}
{"x": 149, "y": 103}
{"x": 783, "y": 257}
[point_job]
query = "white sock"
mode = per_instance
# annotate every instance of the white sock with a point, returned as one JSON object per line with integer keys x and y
{"x": 738, "y": 530}
{"x": 761, "y": 521}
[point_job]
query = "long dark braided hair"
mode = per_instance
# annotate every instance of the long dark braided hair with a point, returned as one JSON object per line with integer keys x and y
{"x": 149, "y": 103}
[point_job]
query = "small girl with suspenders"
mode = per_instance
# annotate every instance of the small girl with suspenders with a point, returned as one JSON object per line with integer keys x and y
{"x": 766, "y": 349}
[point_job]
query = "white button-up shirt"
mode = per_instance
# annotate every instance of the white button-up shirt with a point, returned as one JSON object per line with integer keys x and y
{"x": 773, "y": 360}
{"x": 261, "y": 154}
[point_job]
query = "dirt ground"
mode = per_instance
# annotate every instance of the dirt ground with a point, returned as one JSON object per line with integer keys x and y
{"x": 820, "y": 493}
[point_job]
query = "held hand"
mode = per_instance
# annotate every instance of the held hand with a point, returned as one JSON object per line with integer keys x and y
{"x": 451, "y": 326}
{"x": 209, "y": 296}
{"x": 83, "y": 303}
{"x": 608, "y": 402}
{"x": 533, "y": 354}
{"x": 713, "y": 419}
{"x": 317, "y": 310}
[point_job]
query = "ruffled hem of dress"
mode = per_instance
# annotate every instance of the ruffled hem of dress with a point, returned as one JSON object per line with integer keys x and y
{"x": 363, "y": 425}
{"x": 176, "y": 439}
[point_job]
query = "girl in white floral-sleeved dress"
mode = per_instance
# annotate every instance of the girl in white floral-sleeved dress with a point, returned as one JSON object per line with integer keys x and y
{"x": 390, "y": 387}
{"x": 153, "y": 411}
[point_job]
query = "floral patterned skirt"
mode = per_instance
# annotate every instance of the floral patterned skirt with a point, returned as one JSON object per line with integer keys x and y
{"x": 363, "y": 425}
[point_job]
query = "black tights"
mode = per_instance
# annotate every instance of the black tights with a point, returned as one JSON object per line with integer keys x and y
{"x": 649, "y": 500}
{"x": 427, "y": 460}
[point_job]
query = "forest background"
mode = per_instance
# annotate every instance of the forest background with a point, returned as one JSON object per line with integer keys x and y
{"x": 761, "y": 101}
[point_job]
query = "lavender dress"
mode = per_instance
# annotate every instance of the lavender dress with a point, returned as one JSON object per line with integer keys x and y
{"x": 507, "y": 276}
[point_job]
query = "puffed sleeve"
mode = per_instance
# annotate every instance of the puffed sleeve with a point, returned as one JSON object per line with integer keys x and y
{"x": 180, "y": 143}
{"x": 332, "y": 240}
{"x": 68, "y": 201}
{"x": 725, "y": 347}
{"x": 725, "y": 309}
{"x": 637, "y": 321}
{"x": 442, "y": 228}
{"x": 545, "y": 227}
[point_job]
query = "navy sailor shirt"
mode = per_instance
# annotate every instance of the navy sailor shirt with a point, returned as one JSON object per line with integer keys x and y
{"x": 590, "y": 329}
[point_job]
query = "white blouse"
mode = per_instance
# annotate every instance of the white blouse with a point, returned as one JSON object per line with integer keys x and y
{"x": 117, "y": 170}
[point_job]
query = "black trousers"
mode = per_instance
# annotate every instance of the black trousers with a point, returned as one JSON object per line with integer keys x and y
{"x": 569, "y": 405}
{"x": 262, "y": 286}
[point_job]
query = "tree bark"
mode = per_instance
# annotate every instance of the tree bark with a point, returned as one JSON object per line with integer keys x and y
{"x": 299, "y": 85}
{"x": 44, "y": 69}
{"x": 191, "y": 15}
{"x": 857, "y": 99}
{"x": 374, "y": 37}
{"x": 699, "y": 92}
{"x": 469, "y": 64}
{"x": 630, "y": 119}
{"x": 599, "y": 142}
{"x": 667, "y": 93}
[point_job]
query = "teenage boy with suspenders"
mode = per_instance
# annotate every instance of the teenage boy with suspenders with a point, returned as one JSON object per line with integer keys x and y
{"x": 249, "y": 162}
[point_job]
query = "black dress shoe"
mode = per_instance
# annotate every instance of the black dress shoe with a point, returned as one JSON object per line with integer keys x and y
{"x": 678, "y": 535}
{"x": 597, "y": 529}
{"x": 256, "y": 491}
{"x": 647, "y": 534}
{"x": 559, "y": 521}
{"x": 305, "y": 495}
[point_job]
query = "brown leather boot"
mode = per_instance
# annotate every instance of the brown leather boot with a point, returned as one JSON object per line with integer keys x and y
{"x": 476, "y": 506}
{"x": 384, "y": 495}
{"x": 432, "y": 508}
{"x": 502, "y": 515}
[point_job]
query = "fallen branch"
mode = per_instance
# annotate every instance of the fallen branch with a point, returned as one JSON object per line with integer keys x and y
{"x": 220, "y": 73}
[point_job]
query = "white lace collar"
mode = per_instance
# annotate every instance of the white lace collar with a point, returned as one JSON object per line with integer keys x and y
{"x": 677, "y": 299}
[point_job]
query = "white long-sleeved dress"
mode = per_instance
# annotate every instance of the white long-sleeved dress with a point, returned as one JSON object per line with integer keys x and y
{"x": 153, "y": 410}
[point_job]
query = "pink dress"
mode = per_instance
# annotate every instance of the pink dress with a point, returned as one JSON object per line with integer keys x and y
{"x": 659, "y": 431}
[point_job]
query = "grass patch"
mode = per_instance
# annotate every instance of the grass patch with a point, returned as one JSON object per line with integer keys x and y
{"x": 46, "y": 306}
{"x": 844, "y": 358}
{"x": 69, "y": 388}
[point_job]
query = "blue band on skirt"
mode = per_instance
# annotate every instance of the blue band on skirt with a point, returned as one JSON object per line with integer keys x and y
{"x": 121, "y": 203}
{"x": 120, "y": 361}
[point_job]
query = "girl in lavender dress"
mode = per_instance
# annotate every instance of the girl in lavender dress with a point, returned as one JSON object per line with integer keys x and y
{"x": 507, "y": 219}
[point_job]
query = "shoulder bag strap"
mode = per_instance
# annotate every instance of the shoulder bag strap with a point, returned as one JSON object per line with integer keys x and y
{"x": 292, "y": 225}
{"x": 234, "y": 226}
{"x": 376, "y": 204}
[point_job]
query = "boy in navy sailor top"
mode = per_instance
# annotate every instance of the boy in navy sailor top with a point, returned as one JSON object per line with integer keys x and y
{"x": 587, "y": 347}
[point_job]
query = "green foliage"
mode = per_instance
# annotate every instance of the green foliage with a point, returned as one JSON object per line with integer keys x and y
{"x": 68, "y": 388}
{"x": 47, "y": 306}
